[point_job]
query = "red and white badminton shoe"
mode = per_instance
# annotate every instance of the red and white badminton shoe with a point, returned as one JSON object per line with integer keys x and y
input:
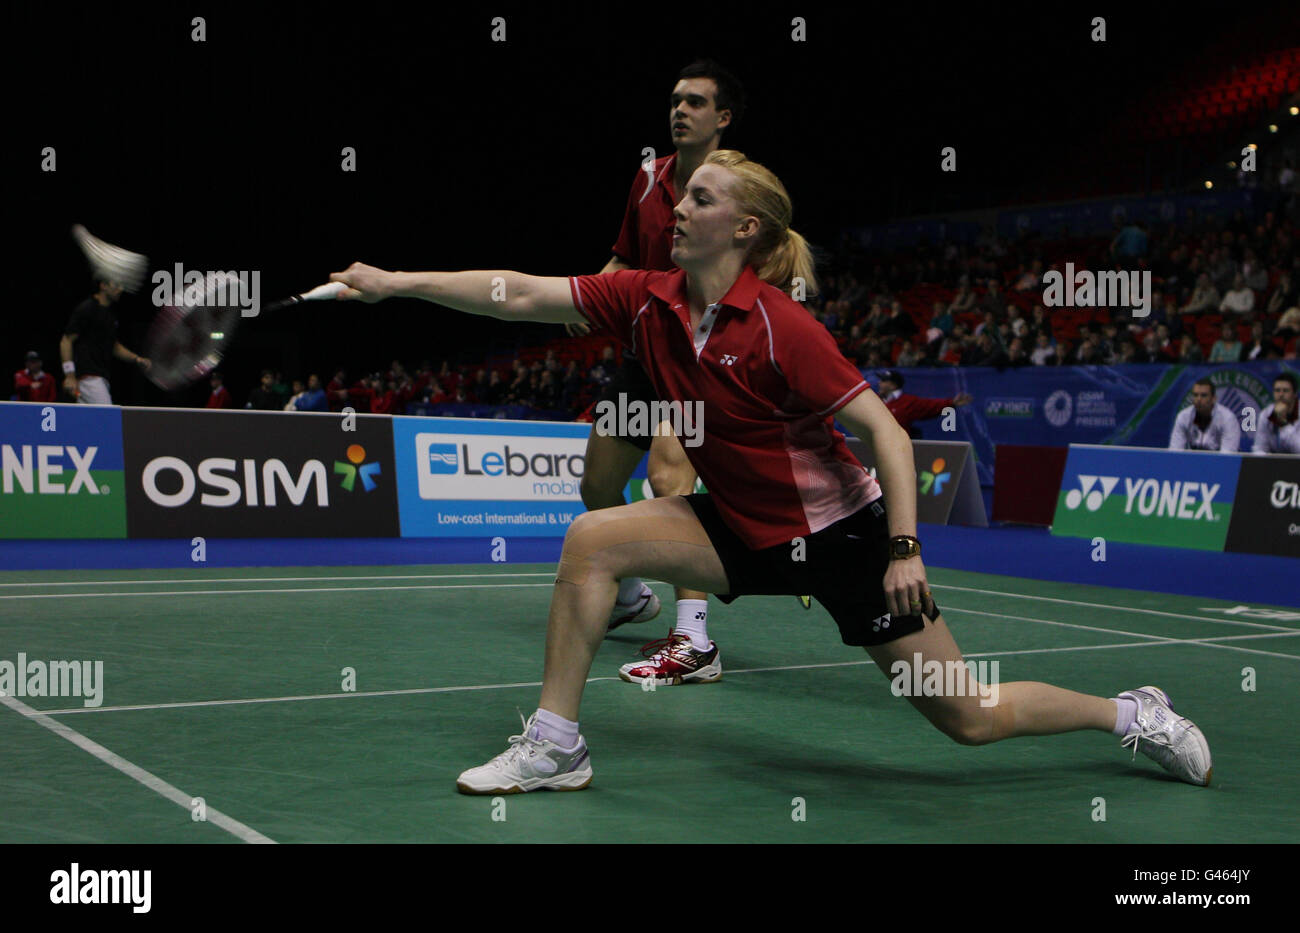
{"x": 674, "y": 660}
{"x": 642, "y": 609}
{"x": 1172, "y": 741}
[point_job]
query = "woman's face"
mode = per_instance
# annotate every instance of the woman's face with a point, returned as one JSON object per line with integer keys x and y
{"x": 709, "y": 221}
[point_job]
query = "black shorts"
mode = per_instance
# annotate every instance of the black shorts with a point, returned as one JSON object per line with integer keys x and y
{"x": 843, "y": 568}
{"x": 631, "y": 380}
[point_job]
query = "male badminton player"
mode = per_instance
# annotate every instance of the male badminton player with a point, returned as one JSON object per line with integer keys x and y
{"x": 705, "y": 101}
{"x": 720, "y": 329}
{"x": 88, "y": 344}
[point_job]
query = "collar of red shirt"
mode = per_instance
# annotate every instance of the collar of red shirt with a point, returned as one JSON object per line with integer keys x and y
{"x": 742, "y": 296}
{"x": 665, "y": 175}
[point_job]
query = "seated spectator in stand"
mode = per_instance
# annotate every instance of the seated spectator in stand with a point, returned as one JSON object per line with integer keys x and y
{"x": 989, "y": 324}
{"x": 954, "y": 351}
{"x": 220, "y": 397}
{"x": 548, "y": 393}
{"x": 990, "y": 352}
{"x": 32, "y": 383}
{"x": 963, "y": 301}
{"x": 1240, "y": 299}
{"x": 1016, "y": 322}
{"x": 263, "y": 398}
{"x": 1227, "y": 349}
{"x": 1030, "y": 278}
{"x": 1041, "y": 323}
{"x": 941, "y": 318}
{"x": 496, "y": 389}
{"x": 1044, "y": 353}
{"x": 1288, "y": 325}
{"x": 384, "y": 401}
{"x": 1254, "y": 274}
{"x": 280, "y": 389}
{"x": 908, "y": 356}
{"x": 1189, "y": 350}
{"x": 1129, "y": 353}
{"x": 1284, "y": 295}
{"x": 298, "y": 389}
{"x": 874, "y": 320}
{"x": 908, "y": 409}
{"x": 1279, "y": 426}
{"x": 550, "y": 364}
{"x": 361, "y": 397}
{"x": 337, "y": 391}
{"x": 1205, "y": 424}
{"x": 1205, "y": 297}
{"x": 1129, "y": 244}
{"x": 1090, "y": 352}
{"x": 313, "y": 397}
{"x": 900, "y": 323}
{"x": 1016, "y": 355}
{"x": 993, "y": 300}
{"x": 1255, "y": 350}
{"x": 436, "y": 396}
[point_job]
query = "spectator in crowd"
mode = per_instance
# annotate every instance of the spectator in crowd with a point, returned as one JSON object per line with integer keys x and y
{"x": 1041, "y": 323}
{"x": 1288, "y": 325}
{"x": 337, "y": 391}
{"x": 1254, "y": 273}
{"x": 875, "y": 319}
{"x": 1016, "y": 322}
{"x": 1130, "y": 244}
{"x": 964, "y": 300}
{"x": 993, "y": 299}
{"x": 1030, "y": 279}
{"x": 900, "y": 323}
{"x": 1205, "y": 297}
{"x": 1279, "y": 427}
{"x": 1284, "y": 295}
{"x": 299, "y": 388}
{"x": 990, "y": 352}
{"x": 1227, "y": 349}
{"x": 32, "y": 383}
{"x": 1189, "y": 350}
{"x": 941, "y": 318}
{"x": 1044, "y": 353}
{"x": 908, "y": 409}
{"x": 1258, "y": 346}
{"x": 548, "y": 392}
{"x": 263, "y": 397}
{"x": 220, "y": 395}
{"x": 908, "y": 356}
{"x": 1240, "y": 299}
{"x": 313, "y": 399}
{"x": 1090, "y": 351}
{"x": 1205, "y": 424}
{"x": 280, "y": 389}
{"x": 1016, "y": 355}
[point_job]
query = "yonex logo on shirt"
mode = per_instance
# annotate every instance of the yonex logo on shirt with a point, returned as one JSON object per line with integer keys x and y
{"x": 728, "y": 359}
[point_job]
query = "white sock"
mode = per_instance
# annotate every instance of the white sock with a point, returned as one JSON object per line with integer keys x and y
{"x": 629, "y": 590}
{"x": 555, "y": 728}
{"x": 692, "y": 620}
{"x": 1125, "y": 715}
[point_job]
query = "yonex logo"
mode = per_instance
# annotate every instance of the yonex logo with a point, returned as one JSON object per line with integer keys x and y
{"x": 1086, "y": 494}
{"x": 729, "y": 359}
{"x": 21, "y": 467}
{"x": 882, "y": 622}
{"x": 442, "y": 458}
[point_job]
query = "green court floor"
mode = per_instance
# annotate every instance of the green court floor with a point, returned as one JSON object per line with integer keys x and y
{"x": 228, "y": 685}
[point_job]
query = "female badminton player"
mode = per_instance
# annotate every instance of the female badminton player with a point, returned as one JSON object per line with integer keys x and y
{"x": 789, "y": 510}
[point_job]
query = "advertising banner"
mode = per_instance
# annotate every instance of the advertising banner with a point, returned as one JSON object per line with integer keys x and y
{"x": 231, "y": 474}
{"x": 472, "y": 478}
{"x": 1173, "y": 498}
{"x": 1266, "y": 510}
{"x": 61, "y": 473}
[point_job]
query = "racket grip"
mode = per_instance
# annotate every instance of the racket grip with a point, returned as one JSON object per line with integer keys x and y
{"x": 324, "y": 292}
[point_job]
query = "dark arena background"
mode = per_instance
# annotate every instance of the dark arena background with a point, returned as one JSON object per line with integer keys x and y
{"x": 284, "y": 669}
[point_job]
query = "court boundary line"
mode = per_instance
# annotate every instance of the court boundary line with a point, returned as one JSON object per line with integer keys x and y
{"x": 1154, "y": 641}
{"x": 241, "y": 831}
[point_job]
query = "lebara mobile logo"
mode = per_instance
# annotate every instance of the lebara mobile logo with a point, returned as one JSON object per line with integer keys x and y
{"x": 1088, "y": 494}
{"x": 356, "y": 467}
{"x": 438, "y": 458}
{"x": 933, "y": 479}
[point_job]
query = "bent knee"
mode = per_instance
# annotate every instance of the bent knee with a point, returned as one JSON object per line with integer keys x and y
{"x": 671, "y": 478}
{"x": 966, "y": 724}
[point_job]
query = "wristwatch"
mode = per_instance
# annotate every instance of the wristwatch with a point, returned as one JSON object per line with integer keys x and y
{"x": 902, "y": 547}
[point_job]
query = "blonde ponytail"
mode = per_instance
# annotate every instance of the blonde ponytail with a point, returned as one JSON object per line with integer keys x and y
{"x": 780, "y": 256}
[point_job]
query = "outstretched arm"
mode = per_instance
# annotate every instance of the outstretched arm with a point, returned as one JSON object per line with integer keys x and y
{"x": 508, "y": 296}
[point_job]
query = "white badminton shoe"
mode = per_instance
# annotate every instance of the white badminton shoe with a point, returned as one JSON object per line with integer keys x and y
{"x": 530, "y": 764}
{"x": 1172, "y": 741}
{"x": 642, "y": 609}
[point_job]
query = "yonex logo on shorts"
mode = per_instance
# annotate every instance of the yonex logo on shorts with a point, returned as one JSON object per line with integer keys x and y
{"x": 1087, "y": 494}
{"x": 442, "y": 458}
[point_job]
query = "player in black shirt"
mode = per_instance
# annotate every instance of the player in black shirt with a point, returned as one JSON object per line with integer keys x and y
{"x": 89, "y": 342}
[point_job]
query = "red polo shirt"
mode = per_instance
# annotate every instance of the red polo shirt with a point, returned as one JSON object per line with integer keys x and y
{"x": 770, "y": 377}
{"x": 645, "y": 241}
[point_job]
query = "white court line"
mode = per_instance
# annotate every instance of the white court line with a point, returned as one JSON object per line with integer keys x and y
{"x": 1150, "y": 612}
{"x": 379, "y": 576}
{"x": 411, "y": 691}
{"x": 135, "y": 772}
{"x": 294, "y": 589}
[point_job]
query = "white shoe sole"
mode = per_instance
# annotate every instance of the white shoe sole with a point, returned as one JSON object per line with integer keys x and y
{"x": 651, "y": 611}
{"x": 577, "y": 780}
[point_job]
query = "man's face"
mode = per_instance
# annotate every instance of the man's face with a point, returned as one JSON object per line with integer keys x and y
{"x": 33, "y": 367}
{"x": 267, "y": 380}
{"x": 313, "y": 382}
{"x": 1203, "y": 399}
{"x": 110, "y": 290}
{"x": 693, "y": 117}
{"x": 1283, "y": 397}
{"x": 709, "y": 222}
{"x": 887, "y": 386}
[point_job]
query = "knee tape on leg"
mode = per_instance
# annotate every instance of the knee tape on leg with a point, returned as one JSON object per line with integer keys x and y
{"x": 575, "y": 561}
